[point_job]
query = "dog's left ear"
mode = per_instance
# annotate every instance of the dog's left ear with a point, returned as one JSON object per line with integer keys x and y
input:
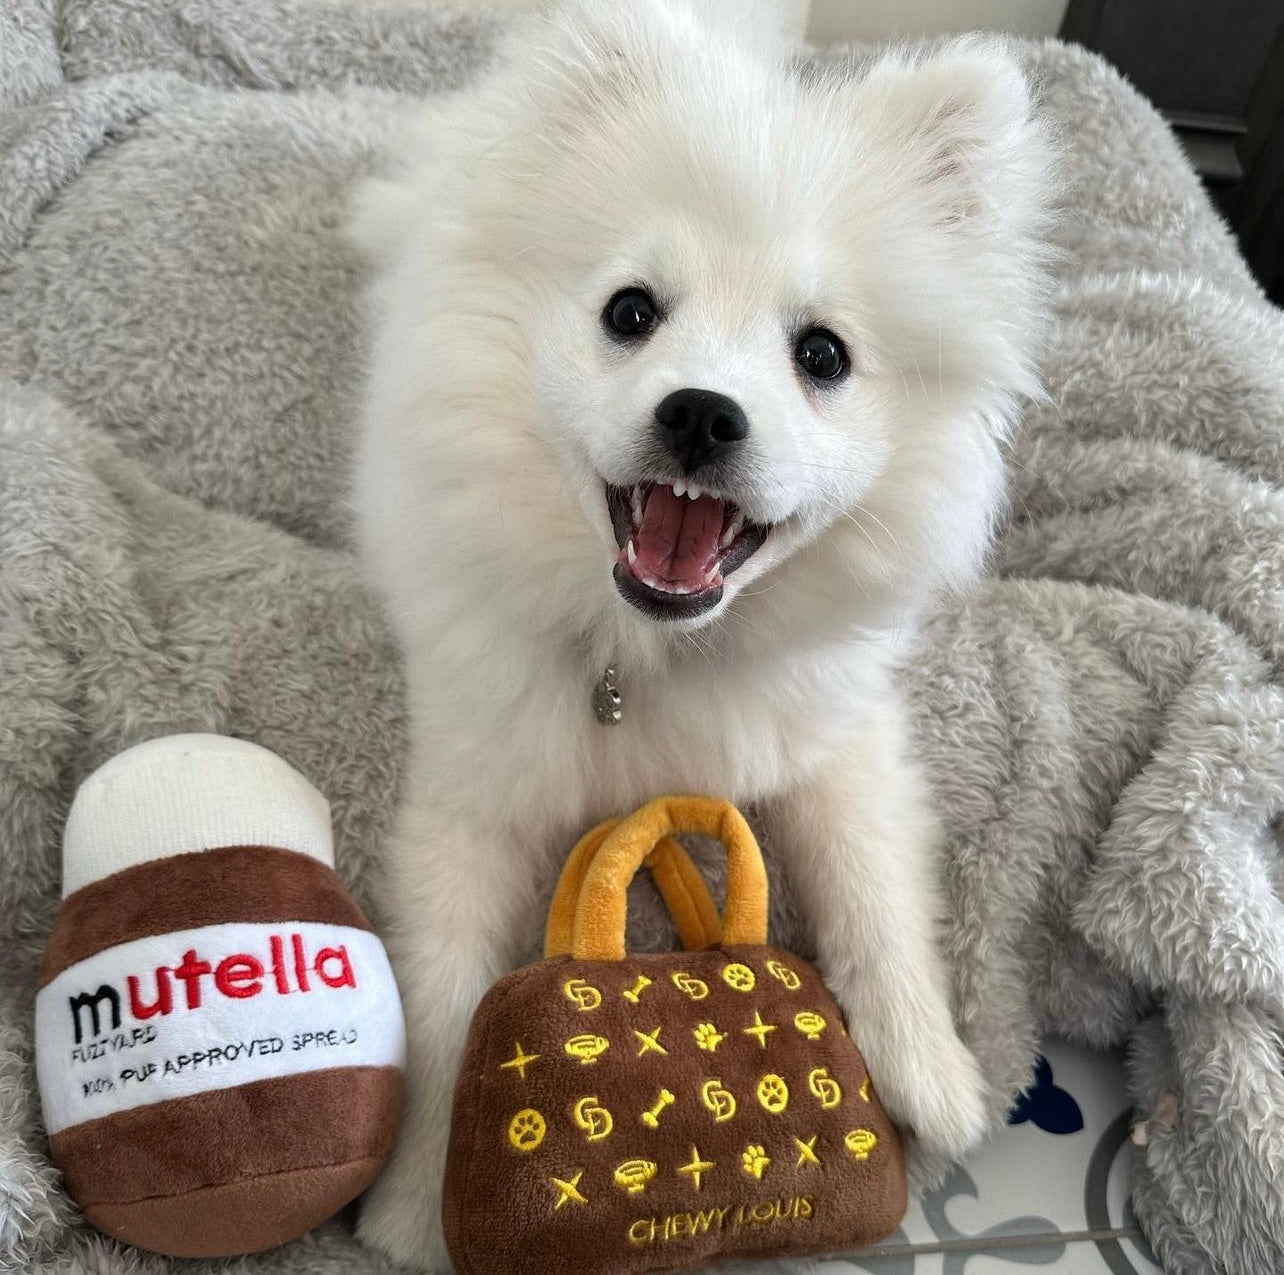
{"x": 960, "y": 124}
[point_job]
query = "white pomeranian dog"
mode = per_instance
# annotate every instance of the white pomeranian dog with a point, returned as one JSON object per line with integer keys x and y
{"x": 693, "y": 360}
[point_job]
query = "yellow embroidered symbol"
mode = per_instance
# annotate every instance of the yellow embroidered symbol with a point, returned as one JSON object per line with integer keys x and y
{"x": 759, "y": 1029}
{"x": 594, "y": 1120}
{"x": 773, "y": 1093}
{"x": 718, "y": 1100}
{"x": 784, "y": 974}
{"x": 649, "y": 1042}
{"x": 697, "y": 1167}
{"x": 568, "y": 1189}
{"x": 754, "y": 1160}
{"x": 741, "y": 977}
{"x": 707, "y": 1036}
{"x": 860, "y": 1142}
{"x": 811, "y": 1025}
{"x": 807, "y": 1150}
{"x": 864, "y": 1089}
{"x": 633, "y": 1175}
{"x": 652, "y": 1118}
{"x": 587, "y": 1047}
{"x": 824, "y": 1088}
{"x": 526, "y": 1130}
{"x": 520, "y": 1061}
{"x": 689, "y": 985}
{"x": 637, "y": 989}
{"x": 585, "y": 995}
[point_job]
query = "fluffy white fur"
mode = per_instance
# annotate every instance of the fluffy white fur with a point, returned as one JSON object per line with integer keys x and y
{"x": 676, "y": 143}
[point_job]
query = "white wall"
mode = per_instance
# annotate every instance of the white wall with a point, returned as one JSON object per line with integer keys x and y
{"x": 886, "y": 19}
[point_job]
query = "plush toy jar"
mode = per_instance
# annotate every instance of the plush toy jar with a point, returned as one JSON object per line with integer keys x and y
{"x": 219, "y": 1039}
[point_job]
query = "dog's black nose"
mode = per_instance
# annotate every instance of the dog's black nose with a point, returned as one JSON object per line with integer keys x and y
{"x": 698, "y": 426}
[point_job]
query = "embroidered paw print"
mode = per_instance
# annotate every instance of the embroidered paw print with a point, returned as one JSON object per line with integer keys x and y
{"x": 707, "y": 1036}
{"x": 773, "y": 1093}
{"x": 754, "y": 1160}
{"x": 526, "y": 1130}
{"x": 740, "y": 977}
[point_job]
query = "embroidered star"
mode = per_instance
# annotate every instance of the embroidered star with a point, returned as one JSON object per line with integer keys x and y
{"x": 759, "y": 1029}
{"x": 697, "y": 1167}
{"x": 807, "y": 1150}
{"x": 650, "y": 1041}
{"x": 567, "y": 1190}
{"x": 519, "y": 1060}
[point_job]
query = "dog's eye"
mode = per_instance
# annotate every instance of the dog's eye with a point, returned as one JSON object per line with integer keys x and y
{"x": 821, "y": 355}
{"x": 631, "y": 312}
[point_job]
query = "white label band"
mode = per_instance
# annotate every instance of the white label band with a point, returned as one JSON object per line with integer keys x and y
{"x": 223, "y": 1005}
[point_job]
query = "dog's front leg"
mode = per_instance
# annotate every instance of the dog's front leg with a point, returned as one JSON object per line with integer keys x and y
{"x": 461, "y": 904}
{"x": 860, "y": 843}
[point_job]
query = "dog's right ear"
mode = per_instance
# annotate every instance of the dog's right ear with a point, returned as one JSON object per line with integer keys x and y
{"x": 960, "y": 125}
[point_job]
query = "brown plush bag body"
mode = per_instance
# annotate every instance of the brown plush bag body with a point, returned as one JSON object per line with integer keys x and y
{"x": 618, "y": 1114}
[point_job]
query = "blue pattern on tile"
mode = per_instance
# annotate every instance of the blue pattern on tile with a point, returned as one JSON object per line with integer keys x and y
{"x": 995, "y": 1241}
{"x": 1047, "y": 1105}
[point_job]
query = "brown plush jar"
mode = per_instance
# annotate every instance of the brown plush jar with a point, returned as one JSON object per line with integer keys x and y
{"x": 219, "y": 1039}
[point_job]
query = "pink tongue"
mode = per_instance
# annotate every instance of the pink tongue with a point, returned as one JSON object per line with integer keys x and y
{"x": 678, "y": 539}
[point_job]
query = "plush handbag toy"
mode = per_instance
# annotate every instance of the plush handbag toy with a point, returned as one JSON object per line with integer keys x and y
{"x": 618, "y": 1114}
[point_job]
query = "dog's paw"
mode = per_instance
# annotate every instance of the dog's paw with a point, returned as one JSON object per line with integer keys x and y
{"x": 937, "y": 1098}
{"x": 401, "y": 1217}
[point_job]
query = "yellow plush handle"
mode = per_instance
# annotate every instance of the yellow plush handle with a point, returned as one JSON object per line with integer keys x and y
{"x": 678, "y": 879}
{"x": 602, "y": 913}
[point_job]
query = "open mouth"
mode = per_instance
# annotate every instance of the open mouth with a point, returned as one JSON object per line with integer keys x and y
{"x": 678, "y": 544}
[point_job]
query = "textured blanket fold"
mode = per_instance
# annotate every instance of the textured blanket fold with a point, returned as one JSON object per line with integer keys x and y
{"x": 180, "y": 351}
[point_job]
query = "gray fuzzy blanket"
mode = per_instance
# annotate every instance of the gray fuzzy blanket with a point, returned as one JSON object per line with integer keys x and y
{"x": 179, "y": 354}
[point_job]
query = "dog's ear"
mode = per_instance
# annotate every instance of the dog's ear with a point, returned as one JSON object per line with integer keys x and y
{"x": 960, "y": 124}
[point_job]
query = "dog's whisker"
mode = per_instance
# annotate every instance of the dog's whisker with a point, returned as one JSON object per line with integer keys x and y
{"x": 882, "y": 525}
{"x": 873, "y": 544}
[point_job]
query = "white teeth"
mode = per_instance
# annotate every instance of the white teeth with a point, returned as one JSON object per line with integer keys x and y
{"x": 734, "y": 528}
{"x": 637, "y": 506}
{"x": 680, "y": 487}
{"x": 712, "y": 577}
{"x": 693, "y": 492}
{"x": 632, "y": 552}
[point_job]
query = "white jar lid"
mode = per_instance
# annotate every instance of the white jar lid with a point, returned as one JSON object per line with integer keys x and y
{"x": 181, "y": 793}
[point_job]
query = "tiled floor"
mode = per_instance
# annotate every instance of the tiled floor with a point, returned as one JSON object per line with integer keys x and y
{"x": 1053, "y": 1197}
